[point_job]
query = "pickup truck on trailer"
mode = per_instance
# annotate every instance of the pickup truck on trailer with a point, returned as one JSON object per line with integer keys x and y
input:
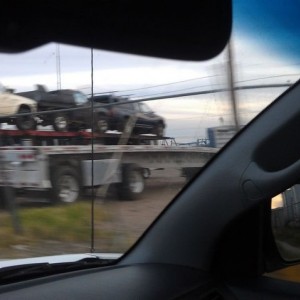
{"x": 16, "y": 110}
{"x": 64, "y": 171}
{"x": 70, "y": 110}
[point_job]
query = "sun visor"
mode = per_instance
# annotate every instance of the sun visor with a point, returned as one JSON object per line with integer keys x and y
{"x": 189, "y": 30}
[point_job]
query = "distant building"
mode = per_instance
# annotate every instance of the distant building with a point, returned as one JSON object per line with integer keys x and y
{"x": 220, "y": 135}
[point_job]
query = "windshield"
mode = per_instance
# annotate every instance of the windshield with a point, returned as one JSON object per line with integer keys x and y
{"x": 145, "y": 108}
{"x": 93, "y": 179}
{"x": 80, "y": 98}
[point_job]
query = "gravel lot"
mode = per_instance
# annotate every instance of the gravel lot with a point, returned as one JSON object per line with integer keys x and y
{"x": 126, "y": 222}
{"x": 131, "y": 218}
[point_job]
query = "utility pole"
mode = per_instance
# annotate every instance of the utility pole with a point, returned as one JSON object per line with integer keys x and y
{"x": 230, "y": 75}
{"x": 58, "y": 74}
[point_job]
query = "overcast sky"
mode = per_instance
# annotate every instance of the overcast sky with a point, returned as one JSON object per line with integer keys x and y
{"x": 187, "y": 118}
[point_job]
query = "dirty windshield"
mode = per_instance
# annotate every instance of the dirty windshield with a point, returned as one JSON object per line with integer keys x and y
{"x": 85, "y": 166}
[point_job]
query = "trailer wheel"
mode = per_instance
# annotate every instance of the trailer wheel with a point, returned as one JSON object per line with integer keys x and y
{"x": 60, "y": 122}
{"x": 146, "y": 173}
{"x": 65, "y": 185}
{"x": 101, "y": 123}
{"x": 132, "y": 185}
{"x": 190, "y": 173}
{"x": 25, "y": 122}
{"x": 159, "y": 130}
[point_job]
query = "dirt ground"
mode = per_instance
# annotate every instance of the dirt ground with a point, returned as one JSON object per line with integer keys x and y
{"x": 131, "y": 218}
{"x": 126, "y": 222}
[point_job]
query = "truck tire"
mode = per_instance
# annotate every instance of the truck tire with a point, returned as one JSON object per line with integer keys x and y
{"x": 146, "y": 173}
{"x": 60, "y": 122}
{"x": 65, "y": 185}
{"x": 101, "y": 123}
{"x": 190, "y": 173}
{"x": 25, "y": 122}
{"x": 2, "y": 199}
{"x": 132, "y": 185}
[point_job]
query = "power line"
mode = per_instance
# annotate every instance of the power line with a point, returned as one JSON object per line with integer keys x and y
{"x": 267, "y": 77}
{"x": 151, "y": 98}
{"x": 169, "y": 83}
{"x": 164, "y": 96}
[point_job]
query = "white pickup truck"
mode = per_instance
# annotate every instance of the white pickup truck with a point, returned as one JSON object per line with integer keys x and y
{"x": 17, "y": 110}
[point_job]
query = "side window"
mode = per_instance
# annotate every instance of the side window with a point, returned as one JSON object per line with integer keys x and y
{"x": 286, "y": 223}
{"x": 144, "y": 108}
{"x": 104, "y": 98}
{"x": 286, "y": 231}
{"x": 126, "y": 105}
{"x": 101, "y": 100}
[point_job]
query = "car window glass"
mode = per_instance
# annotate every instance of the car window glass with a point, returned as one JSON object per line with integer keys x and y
{"x": 285, "y": 226}
{"x": 129, "y": 168}
{"x": 286, "y": 222}
{"x": 101, "y": 98}
{"x": 80, "y": 98}
{"x": 125, "y": 105}
{"x": 145, "y": 108}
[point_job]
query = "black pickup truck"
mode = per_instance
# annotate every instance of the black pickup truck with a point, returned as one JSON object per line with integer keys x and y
{"x": 120, "y": 111}
{"x": 70, "y": 110}
{"x": 67, "y": 110}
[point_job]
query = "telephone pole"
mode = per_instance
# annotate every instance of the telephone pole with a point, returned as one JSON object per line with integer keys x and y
{"x": 231, "y": 86}
{"x": 58, "y": 73}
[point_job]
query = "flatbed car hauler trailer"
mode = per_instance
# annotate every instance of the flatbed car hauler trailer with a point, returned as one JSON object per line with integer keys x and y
{"x": 47, "y": 137}
{"x": 66, "y": 170}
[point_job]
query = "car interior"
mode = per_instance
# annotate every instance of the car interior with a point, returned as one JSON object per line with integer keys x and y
{"x": 216, "y": 239}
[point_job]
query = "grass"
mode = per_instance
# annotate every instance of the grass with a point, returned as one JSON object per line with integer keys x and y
{"x": 68, "y": 223}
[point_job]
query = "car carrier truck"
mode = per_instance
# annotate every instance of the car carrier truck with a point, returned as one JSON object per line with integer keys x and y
{"x": 33, "y": 161}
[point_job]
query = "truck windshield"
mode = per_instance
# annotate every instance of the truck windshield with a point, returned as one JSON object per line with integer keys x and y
{"x": 80, "y": 98}
{"x": 145, "y": 108}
